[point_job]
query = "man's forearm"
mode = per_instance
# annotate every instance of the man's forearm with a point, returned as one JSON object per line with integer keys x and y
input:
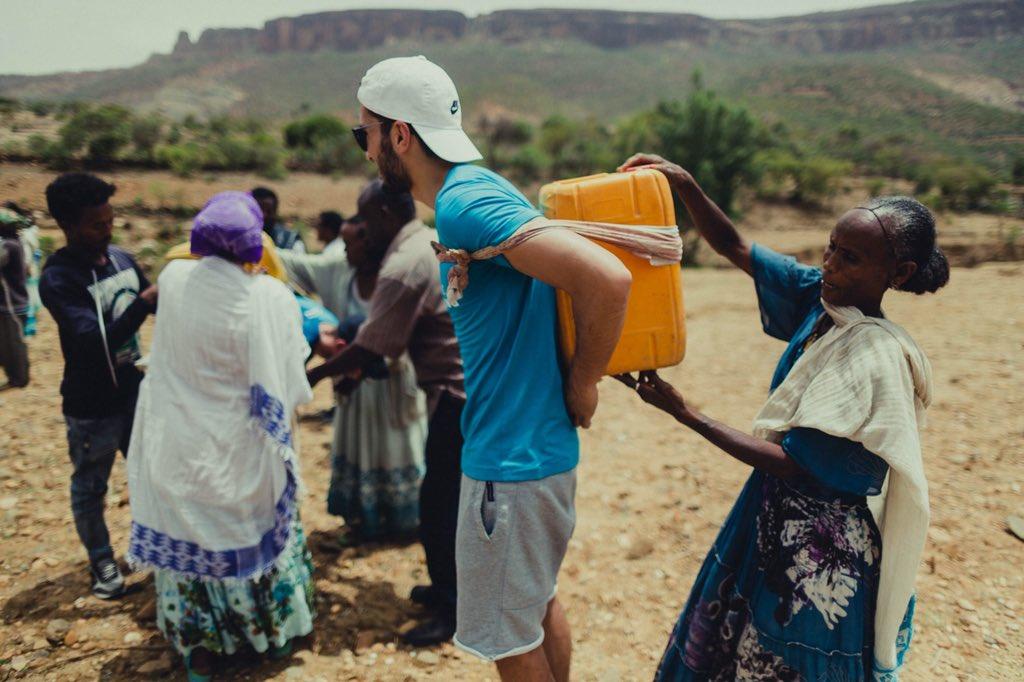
{"x": 598, "y": 313}
{"x": 351, "y": 359}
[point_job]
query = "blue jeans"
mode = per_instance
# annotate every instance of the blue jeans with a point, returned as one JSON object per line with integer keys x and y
{"x": 93, "y": 446}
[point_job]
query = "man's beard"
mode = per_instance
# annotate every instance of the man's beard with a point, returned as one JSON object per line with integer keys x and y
{"x": 394, "y": 177}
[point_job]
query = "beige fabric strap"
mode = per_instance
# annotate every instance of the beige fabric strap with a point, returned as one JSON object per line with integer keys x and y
{"x": 659, "y": 244}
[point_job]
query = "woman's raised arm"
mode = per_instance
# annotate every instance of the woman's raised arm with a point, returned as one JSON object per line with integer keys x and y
{"x": 712, "y": 223}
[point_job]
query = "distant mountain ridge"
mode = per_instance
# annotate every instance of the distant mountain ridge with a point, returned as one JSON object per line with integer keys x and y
{"x": 939, "y": 76}
{"x": 862, "y": 29}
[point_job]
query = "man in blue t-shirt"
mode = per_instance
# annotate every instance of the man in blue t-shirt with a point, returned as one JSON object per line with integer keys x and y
{"x": 516, "y": 508}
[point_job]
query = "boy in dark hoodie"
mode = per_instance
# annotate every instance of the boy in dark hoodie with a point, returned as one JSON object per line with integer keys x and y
{"x": 99, "y": 298}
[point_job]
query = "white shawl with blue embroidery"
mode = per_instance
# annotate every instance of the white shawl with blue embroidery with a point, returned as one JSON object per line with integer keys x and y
{"x": 212, "y": 467}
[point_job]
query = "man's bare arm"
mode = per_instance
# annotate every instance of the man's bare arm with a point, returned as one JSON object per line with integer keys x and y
{"x": 599, "y": 285}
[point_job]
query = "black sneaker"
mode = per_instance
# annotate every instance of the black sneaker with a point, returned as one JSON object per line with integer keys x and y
{"x": 431, "y": 632}
{"x": 107, "y": 581}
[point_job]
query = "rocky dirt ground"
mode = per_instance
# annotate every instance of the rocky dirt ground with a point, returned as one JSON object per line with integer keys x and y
{"x": 651, "y": 498}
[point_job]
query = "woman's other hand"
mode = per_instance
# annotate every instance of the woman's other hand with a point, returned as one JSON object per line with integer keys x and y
{"x": 655, "y": 391}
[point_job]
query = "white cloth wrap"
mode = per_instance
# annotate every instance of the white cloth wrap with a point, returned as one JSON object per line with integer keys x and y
{"x": 213, "y": 481}
{"x": 868, "y": 381}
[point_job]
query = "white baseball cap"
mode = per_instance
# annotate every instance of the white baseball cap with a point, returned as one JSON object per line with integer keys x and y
{"x": 419, "y": 92}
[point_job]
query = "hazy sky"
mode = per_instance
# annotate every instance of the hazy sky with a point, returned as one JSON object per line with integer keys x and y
{"x": 42, "y": 36}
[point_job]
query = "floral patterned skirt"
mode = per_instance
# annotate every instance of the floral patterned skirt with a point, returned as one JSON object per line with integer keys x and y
{"x": 223, "y": 617}
{"x": 787, "y": 591}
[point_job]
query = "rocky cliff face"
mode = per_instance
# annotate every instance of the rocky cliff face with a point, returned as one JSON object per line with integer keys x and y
{"x": 864, "y": 29}
{"x": 894, "y": 25}
{"x": 604, "y": 29}
{"x": 343, "y": 31}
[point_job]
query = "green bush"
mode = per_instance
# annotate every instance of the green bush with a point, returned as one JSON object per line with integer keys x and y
{"x": 51, "y": 152}
{"x": 810, "y": 180}
{"x": 965, "y": 186}
{"x": 103, "y": 131}
{"x": 183, "y": 159}
{"x": 12, "y": 149}
{"x": 576, "y": 148}
{"x": 817, "y": 178}
{"x": 329, "y": 156}
{"x": 42, "y": 109}
{"x": 9, "y": 105}
{"x": 526, "y": 164}
{"x": 503, "y": 142}
{"x": 316, "y": 131}
{"x": 146, "y": 134}
{"x": 712, "y": 139}
{"x": 876, "y": 187}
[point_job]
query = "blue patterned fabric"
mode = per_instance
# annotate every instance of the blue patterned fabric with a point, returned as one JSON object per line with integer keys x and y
{"x": 269, "y": 412}
{"x": 789, "y": 587}
{"x": 159, "y": 550}
{"x": 225, "y": 617}
{"x": 378, "y": 503}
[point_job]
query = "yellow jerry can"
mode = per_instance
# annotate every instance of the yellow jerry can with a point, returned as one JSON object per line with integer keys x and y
{"x": 654, "y": 334}
{"x": 269, "y": 263}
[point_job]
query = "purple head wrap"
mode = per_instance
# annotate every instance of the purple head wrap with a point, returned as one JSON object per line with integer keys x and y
{"x": 230, "y": 226}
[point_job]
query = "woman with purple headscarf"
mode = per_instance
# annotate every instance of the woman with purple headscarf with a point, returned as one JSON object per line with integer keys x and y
{"x": 212, "y": 470}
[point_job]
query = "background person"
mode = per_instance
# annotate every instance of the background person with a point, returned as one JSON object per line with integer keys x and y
{"x": 284, "y": 238}
{"x": 328, "y": 232}
{"x": 14, "y": 300}
{"x": 99, "y": 297}
{"x": 377, "y": 461}
{"x": 407, "y": 316}
{"x": 28, "y": 233}
{"x": 801, "y": 583}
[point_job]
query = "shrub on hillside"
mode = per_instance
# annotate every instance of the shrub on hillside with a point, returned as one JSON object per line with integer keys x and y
{"x": 803, "y": 180}
{"x": 577, "y": 148}
{"x": 314, "y": 131}
{"x": 965, "y": 186}
{"x": 103, "y": 131}
{"x": 714, "y": 140}
{"x": 322, "y": 143}
{"x": 146, "y": 134}
{"x": 9, "y": 105}
{"x": 525, "y": 165}
{"x": 182, "y": 159}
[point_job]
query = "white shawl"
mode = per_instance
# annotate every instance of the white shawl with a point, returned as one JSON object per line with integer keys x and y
{"x": 866, "y": 380}
{"x": 212, "y": 470}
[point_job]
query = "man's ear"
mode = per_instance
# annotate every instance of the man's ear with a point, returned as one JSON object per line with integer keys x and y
{"x": 401, "y": 137}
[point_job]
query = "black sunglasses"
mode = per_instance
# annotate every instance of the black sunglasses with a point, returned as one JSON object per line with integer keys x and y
{"x": 359, "y": 132}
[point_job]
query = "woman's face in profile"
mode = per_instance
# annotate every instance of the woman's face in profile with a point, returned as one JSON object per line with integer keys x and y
{"x": 857, "y": 262}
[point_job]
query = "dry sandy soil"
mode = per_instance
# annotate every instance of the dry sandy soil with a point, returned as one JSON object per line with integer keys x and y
{"x": 651, "y": 498}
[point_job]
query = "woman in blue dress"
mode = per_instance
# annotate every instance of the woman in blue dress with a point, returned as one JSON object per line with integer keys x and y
{"x": 788, "y": 590}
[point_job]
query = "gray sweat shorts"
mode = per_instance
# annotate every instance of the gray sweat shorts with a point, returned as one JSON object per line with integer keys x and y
{"x": 509, "y": 546}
